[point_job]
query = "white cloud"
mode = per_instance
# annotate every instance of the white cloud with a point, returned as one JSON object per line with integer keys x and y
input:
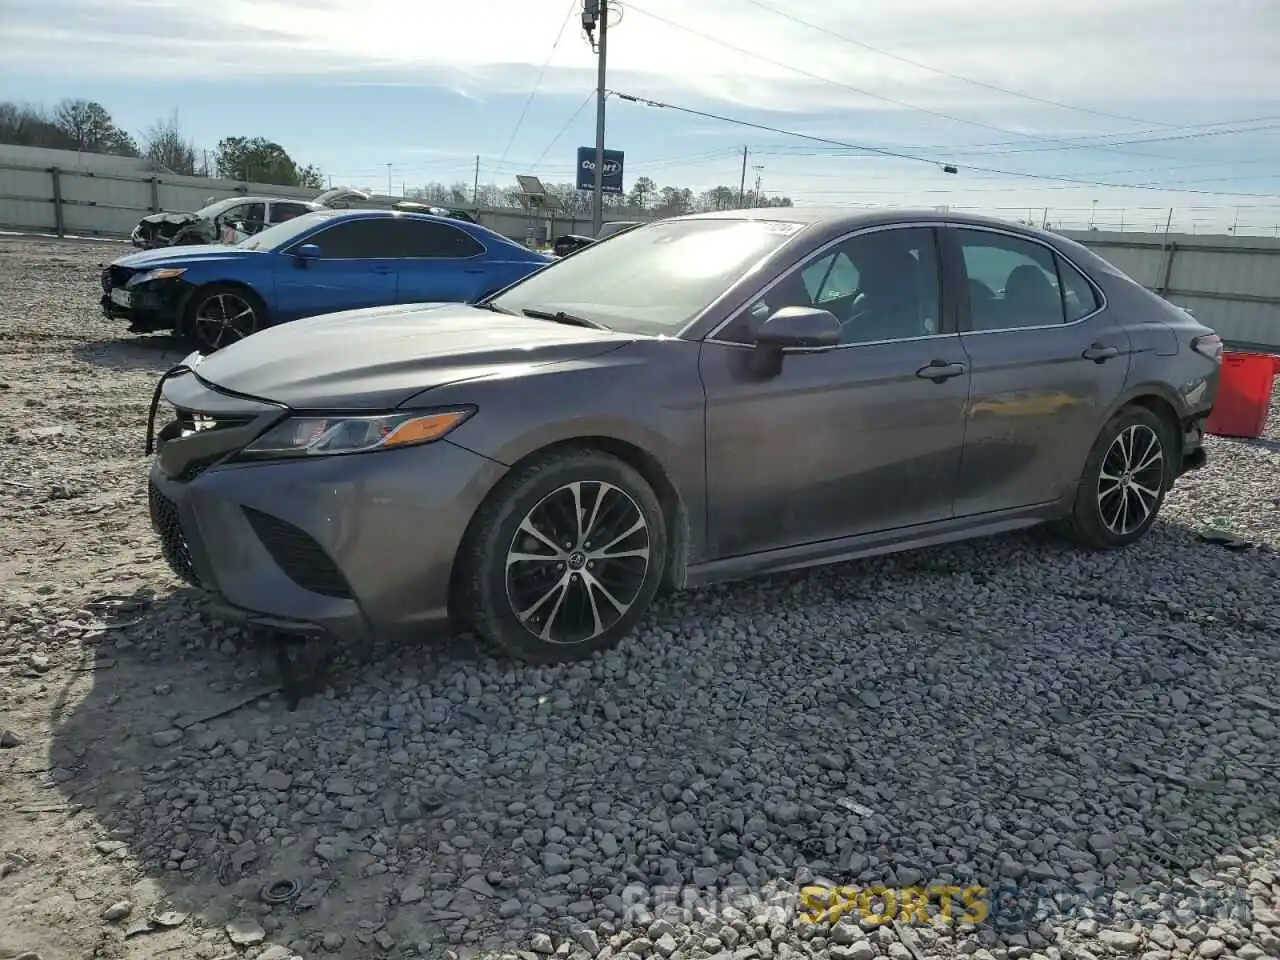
{"x": 1161, "y": 55}
{"x": 1174, "y": 61}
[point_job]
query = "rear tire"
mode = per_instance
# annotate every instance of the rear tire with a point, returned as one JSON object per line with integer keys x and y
{"x": 1124, "y": 481}
{"x": 565, "y": 558}
{"x": 220, "y": 314}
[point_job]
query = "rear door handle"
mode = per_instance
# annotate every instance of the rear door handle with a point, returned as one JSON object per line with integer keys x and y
{"x": 1099, "y": 353}
{"x": 940, "y": 370}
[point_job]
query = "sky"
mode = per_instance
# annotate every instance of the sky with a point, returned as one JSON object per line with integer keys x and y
{"x": 1092, "y": 110}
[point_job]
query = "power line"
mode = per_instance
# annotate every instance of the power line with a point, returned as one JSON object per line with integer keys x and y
{"x": 881, "y": 151}
{"x": 573, "y": 5}
{"x": 947, "y": 73}
{"x": 568, "y": 123}
{"x": 1065, "y": 143}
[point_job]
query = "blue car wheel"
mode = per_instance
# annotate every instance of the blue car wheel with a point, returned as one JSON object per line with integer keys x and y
{"x": 219, "y": 315}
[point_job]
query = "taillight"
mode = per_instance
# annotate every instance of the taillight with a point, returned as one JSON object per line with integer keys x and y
{"x": 1210, "y": 345}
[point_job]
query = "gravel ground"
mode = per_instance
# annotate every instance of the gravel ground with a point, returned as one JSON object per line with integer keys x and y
{"x": 1092, "y": 739}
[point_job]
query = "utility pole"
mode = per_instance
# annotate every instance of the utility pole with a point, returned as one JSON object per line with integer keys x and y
{"x": 758, "y": 168}
{"x": 475, "y": 187}
{"x": 597, "y": 204}
{"x": 742, "y": 184}
{"x": 388, "y": 179}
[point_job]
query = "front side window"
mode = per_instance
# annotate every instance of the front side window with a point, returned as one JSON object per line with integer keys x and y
{"x": 421, "y": 239}
{"x": 882, "y": 285}
{"x": 1013, "y": 283}
{"x": 652, "y": 279}
{"x": 358, "y": 240}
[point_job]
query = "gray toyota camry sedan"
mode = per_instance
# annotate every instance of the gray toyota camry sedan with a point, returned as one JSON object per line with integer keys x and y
{"x": 701, "y": 398}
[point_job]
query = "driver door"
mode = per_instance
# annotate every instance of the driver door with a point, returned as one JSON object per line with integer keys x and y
{"x": 843, "y": 440}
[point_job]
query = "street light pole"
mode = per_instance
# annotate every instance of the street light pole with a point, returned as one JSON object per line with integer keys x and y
{"x": 597, "y": 204}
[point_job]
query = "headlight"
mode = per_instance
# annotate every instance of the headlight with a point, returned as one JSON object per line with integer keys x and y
{"x": 320, "y": 436}
{"x": 164, "y": 273}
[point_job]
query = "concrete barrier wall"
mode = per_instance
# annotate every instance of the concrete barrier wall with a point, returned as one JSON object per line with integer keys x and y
{"x": 1230, "y": 283}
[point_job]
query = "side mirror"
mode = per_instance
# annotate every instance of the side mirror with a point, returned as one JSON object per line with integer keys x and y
{"x": 307, "y": 252}
{"x": 788, "y": 329}
{"x": 796, "y": 327}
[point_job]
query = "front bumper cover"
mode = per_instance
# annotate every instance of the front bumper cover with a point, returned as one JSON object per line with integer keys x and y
{"x": 154, "y": 306}
{"x": 345, "y": 546}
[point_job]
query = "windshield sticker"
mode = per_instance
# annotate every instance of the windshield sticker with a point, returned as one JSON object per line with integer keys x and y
{"x": 783, "y": 229}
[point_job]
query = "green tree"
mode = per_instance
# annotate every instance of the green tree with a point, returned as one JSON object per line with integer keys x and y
{"x": 259, "y": 160}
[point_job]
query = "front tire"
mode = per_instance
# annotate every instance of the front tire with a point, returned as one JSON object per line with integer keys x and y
{"x": 1124, "y": 482}
{"x": 565, "y": 559}
{"x": 219, "y": 315}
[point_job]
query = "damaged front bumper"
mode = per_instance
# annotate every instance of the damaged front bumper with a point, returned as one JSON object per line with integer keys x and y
{"x": 148, "y": 307}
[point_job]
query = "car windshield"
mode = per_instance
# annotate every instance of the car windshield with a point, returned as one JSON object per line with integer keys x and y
{"x": 274, "y": 237}
{"x": 653, "y": 279}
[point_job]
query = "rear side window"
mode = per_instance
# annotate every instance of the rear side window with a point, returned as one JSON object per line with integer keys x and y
{"x": 425, "y": 240}
{"x": 1078, "y": 296}
{"x": 281, "y": 211}
{"x": 1013, "y": 283}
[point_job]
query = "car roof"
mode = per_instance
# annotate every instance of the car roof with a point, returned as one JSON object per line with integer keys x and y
{"x": 837, "y": 220}
{"x": 467, "y": 226}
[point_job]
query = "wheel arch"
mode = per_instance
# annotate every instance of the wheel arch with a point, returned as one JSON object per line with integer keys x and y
{"x": 674, "y": 508}
{"x": 1161, "y": 401}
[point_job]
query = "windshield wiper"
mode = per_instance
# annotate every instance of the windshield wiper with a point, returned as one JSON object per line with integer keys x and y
{"x": 493, "y": 307}
{"x": 559, "y": 316}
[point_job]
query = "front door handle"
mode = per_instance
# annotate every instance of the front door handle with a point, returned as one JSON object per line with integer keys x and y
{"x": 381, "y": 268}
{"x": 940, "y": 370}
{"x": 1099, "y": 353}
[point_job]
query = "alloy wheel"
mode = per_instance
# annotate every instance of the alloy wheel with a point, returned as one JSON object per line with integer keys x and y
{"x": 223, "y": 319}
{"x": 577, "y": 562}
{"x": 1131, "y": 479}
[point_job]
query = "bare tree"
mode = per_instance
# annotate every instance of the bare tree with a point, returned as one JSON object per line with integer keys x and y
{"x": 167, "y": 146}
{"x": 89, "y": 127}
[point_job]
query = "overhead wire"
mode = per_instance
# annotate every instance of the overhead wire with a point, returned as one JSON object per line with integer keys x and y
{"x": 1065, "y": 143}
{"x": 901, "y": 155}
{"x": 947, "y": 73}
{"x": 537, "y": 84}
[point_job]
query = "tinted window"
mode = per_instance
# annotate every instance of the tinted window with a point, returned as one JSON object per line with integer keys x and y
{"x": 357, "y": 240}
{"x": 880, "y": 286}
{"x": 1078, "y": 295}
{"x": 1012, "y": 282}
{"x": 418, "y": 238}
{"x": 282, "y": 211}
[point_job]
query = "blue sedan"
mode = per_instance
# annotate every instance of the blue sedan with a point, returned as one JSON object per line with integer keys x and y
{"x": 322, "y": 262}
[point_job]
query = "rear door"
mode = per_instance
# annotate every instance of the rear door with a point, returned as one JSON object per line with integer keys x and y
{"x": 356, "y": 268}
{"x": 1047, "y": 360}
{"x": 438, "y": 262}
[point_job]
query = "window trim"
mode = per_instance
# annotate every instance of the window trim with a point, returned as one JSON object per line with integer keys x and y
{"x": 965, "y": 318}
{"x": 944, "y": 314}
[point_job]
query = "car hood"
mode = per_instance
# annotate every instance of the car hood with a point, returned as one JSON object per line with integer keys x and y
{"x": 378, "y": 358}
{"x": 181, "y": 256}
{"x": 170, "y": 218}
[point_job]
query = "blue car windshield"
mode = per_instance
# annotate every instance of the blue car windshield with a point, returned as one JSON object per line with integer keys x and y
{"x": 275, "y": 237}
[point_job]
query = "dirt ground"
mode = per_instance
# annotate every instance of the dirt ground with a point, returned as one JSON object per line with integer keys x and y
{"x": 152, "y": 784}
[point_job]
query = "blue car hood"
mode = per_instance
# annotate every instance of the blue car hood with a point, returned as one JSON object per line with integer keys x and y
{"x": 182, "y": 256}
{"x": 377, "y": 358}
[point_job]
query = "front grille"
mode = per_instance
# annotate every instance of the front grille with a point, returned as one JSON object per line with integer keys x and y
{"x": 173, "y": 541}
{"x": 300, "y": 557}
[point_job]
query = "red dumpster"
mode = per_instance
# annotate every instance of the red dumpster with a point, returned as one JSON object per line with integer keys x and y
{"x": 1244, "y": 395}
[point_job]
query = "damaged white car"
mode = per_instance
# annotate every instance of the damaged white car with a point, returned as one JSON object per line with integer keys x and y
{"x": 232, "y": 219}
